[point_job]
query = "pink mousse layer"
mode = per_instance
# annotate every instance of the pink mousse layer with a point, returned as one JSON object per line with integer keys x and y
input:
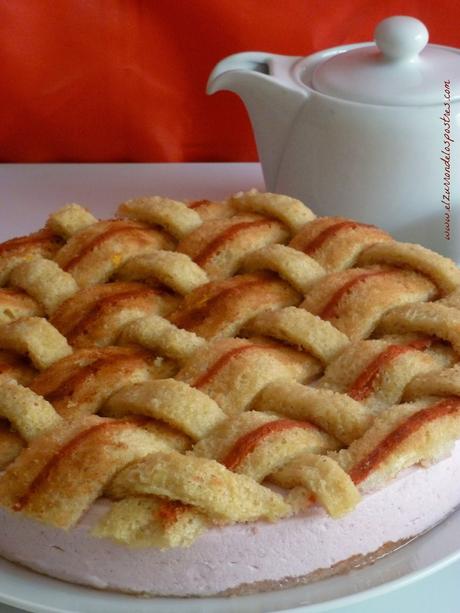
{"x": 224, "y": 558}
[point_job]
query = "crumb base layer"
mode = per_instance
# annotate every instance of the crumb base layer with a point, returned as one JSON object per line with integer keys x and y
{"x": 242, "y": 558}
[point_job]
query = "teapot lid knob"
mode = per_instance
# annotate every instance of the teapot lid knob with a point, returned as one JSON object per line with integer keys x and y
{"x": 401, "y": 38}
{"x": 399, "y": 70}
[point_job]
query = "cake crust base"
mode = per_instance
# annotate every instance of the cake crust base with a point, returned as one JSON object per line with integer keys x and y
{"x": 340, "y": 568}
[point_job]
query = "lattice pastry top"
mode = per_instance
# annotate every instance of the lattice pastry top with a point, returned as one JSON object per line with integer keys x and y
{"x": 215, "y": 362}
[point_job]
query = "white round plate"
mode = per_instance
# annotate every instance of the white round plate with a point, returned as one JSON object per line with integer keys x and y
{"x": 428, "y": 553}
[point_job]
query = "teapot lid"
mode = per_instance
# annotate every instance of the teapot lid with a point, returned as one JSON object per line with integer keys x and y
{"x": 400, "y": 69}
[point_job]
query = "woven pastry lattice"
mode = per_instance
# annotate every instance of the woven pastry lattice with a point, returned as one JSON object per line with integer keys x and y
{"x": 204, "y": 363}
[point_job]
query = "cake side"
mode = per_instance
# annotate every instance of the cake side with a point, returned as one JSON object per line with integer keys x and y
{"x": 241, "y": 558}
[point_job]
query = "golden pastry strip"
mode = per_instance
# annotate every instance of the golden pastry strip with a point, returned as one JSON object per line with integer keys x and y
{"x": 97, "y": 315}
{"x": 341, "y": 416}
{"x": 45, "y": 282}
{"x": 431, "y": 318}
{"x": 444, "y": 382}
{"x": 62, "y": 472}
{"x": 375, "y": 372}
{"x": 174, "y": 402}
{"x": 291, "y": 212}
{"x": 221, "y": 441}
{"x": 355, "y": 300}
{"x": 170, "y": 268}
{"x": 36, "y": 338}
{"x": 324, "y": 479}
{"x": 441, "y": 270}
{"x": 256, "y": 444}
{"x": 300, "y": 328}
{"x": 159, "y": 335}
{"x": 202, "y": 483}
{"x": 268, "y": 447}
{"x": 81, "y": 383}
{"x": 233, "y": 371}
{"x": 220, "y": 245}
{"x": 175, "y": 439}
{"x": 12, "y": 252}
{"x": 211, "y": 209}
{"x": 30, "y": 414}
{"x": 221, "y": 308}
{"x": 152, "y": 522}
{"x": 95, "y": 253}
{"x": 336, "y": 242}
{"x": 69, "y": 220}
{"x": 178, "y": 219}
{"x": 400, "y": 437}
{"x": 15, "y": 304}
{"x": 298, "y": 269}
{"x": 436, "y": 348}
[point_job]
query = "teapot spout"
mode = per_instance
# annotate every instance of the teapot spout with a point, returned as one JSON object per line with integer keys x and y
{"x": 272, "y": 99}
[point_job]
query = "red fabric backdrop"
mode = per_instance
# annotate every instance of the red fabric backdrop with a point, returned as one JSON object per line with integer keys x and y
{"x": 124, "y": 80}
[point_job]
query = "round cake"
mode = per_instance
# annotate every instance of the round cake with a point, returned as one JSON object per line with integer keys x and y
{"x": 203, "y": 398}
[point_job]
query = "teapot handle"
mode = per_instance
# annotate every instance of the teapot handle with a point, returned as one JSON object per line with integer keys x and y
{"x": 270, "y": 64}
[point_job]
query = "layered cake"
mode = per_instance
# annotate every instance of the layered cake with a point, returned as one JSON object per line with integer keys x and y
{"x": 202, "y": 398}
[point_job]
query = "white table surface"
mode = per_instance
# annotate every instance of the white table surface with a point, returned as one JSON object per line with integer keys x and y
{"x": 48, "y": 186}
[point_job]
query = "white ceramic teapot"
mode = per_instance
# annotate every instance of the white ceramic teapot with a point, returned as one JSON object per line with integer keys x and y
{"x": 368, "y": 131}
